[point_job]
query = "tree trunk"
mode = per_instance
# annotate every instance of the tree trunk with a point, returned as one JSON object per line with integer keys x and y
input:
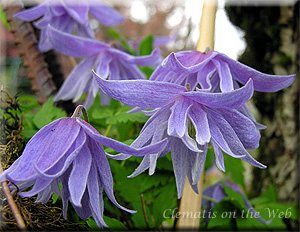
{"x": 272, "y": 37}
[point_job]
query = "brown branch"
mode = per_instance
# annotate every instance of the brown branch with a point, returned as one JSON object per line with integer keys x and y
{"x": 144, "y": 211}
{"x": 33, "y": 61}
{"x": 12, "y": 205}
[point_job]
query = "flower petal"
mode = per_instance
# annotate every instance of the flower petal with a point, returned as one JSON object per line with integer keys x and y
{"x": 228, "y": 100}
{"x": 33, "y": 12}
{"x": 142, "y": 93}
{"x": 261, "y": 82}
{"x": 219, "y": 155}
{"x": 177, "y": 124}
{"x": 179, "y": 154}
{"x": 200, "y": 122}
{"x": 71, "y": 45}
{"x": 226, "y": 81}
{"x": 105, "y": 14}
{"x": 79, "y": 174}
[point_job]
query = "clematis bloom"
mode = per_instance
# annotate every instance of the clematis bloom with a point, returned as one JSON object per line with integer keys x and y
{"x": 108, "y": 61}
{"x": 69, "y": 16}
{"x": 69, "y": 151}
{"x": 189, "y": 120}
{"x": 217, "y": 193}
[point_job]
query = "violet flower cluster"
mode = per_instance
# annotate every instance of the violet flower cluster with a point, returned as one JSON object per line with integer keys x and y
{"x": 69, "y": 151}
{"x": 69, "y": 16}
{"x": 196, "y": 100}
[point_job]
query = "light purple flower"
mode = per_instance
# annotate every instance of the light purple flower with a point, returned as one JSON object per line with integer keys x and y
{"x": 69, "y": 16}
{"x": 69, "y": 151}
{"x": 217, "y": 193}
{"x": 107, "y": 61}
{"x": 189, "y": 121}
{"x": 216, "y": 72}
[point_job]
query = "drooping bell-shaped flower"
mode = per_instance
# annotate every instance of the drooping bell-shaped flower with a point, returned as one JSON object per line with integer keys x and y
{"x": 69, "y": 151}
{"x": 189, "y": 120}
{"x": 69, "y": 16}
{"x": 110, "y": 62}
{"x": 217, "y": 193}
{"x": 216, "y": 72}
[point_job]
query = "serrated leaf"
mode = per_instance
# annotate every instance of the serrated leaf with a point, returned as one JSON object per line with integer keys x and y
{"x": 102, "y": 112}
{"x": 123, "y": 117}
{"x": 222, "y": 216}
{"x": 47, "y": 114}
{"x": 146, "y": 46}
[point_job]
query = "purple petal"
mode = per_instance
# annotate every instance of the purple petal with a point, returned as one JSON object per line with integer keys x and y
{"x": 105, "y": 14}
{"x": 105, "y": 173}
{"x": 178, "y": 118}
{"x": 76, "y": 82}
{"x": 219, "y": 156}
{"x": 144, "y": 165}
{"x": 84, "y": 212}
{"x": 226, "y": 81}
{"x": 103, "y": 67}
{"x": 261, "y": 82}
{"x": 233, "y": 99}
{"x": 179, "y": 157}
{"x": 71, "y": 45}
{"x": 187, "y": 61}
{"x": 95, "y": 189}
{"x": 138, "y": 60}
{"x": 38, "y": 186}
{"x": 244, "y": 128}
{"x": 118, "y": 146}
{"x": 78, "y": 10}
{"x": 78, "y": 177}
{"x": 190, "y": 143}
{"x": 33, "y": 12}
{"x": 200, "y": 122}
{"x": 142, "y": 93}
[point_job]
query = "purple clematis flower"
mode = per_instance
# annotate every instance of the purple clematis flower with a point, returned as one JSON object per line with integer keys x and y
{"x": 107, "y": 61}
{"x": 189, "y": 120}
{"x": 217, "y": 193}
{"x": 216, "y": 72}
{"x": 69, "y": 16}
{"x": 69, "y": 151}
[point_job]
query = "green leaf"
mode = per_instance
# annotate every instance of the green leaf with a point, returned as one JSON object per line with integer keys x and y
{"x": 236, "y": 198}
{"x": 123, "y": 41}
{"x": 221, "y": 217}
{"x": 123, "y": 117}
{"x": 267, "y": 197}
{"x": 235, "y": 168}
{"x": 47, "y": 114}
{"x": 54, "y": 198}
{"x": 3, "y": 18}
{"x": 114, "y": 224}
{"x": 146, "y": 46}
{"x": 102, "y": 112}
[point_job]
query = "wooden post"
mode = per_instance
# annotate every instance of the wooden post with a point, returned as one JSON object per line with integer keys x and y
{"x": 190, "y": 204}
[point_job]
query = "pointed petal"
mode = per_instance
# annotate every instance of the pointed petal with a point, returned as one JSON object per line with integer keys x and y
{"x": 179, "y": 153}
{"x": 142, "y": 93}
{"x": 226, "y": 81}
{"x": 118, "y": 146}
{"x": 78, "y": 177}
{"x": 78, "y": 10}
{"x": 190, "y": 143}
{"x": 138, "y": 60}
{"x": 105, "y": 14}
{"x": 219, "y": 155}
{"x": 244, "y": 128}
{"x": 33, "y": 12}
{"x": 200, "y": 122}
{"x": 38, "y": 186}
{"x": 76, "y": 82}
{"x": 95, "y": 188}
{"x": 71, "y": 45}
{"x": 144, "y": 165}
{"x": 233, "y": 99}
{"x": 105, "y": 173}
{"x": 84, "y": 212}
{"x": 187, "y": 61}
{"x": 177, "y": 124}
{"x": 261, "y": 82}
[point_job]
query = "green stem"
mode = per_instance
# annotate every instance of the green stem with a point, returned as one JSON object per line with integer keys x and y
{"x": 107, "y": 130}
{"x": 210, "y": 199}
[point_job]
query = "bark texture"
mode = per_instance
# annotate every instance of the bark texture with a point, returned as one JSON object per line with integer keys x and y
{"x": 272, "y": 37}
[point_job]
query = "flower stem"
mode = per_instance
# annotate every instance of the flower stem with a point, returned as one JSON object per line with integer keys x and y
{"x": 77, "y": 112}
